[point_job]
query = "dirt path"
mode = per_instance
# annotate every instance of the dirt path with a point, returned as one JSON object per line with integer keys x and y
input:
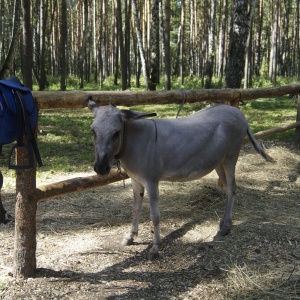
{"x": 78, "y": 242}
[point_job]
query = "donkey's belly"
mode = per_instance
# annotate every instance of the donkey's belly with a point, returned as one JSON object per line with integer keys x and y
{"x": 187, "y": 174}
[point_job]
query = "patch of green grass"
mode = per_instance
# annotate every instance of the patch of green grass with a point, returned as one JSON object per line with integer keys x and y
{"x": 263, "y": 114}
{"x": 65, "y": 140}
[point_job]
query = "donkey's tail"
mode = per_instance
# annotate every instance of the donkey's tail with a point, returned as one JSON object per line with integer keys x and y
{"x": 258, "y": 147}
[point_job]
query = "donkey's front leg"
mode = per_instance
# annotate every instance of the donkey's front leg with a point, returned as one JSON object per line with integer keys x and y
{"x": 138, "y": 195}
{"x": 153, "y": 193}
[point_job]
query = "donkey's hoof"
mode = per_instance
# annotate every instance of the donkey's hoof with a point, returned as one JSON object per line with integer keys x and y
{"x": 224, "y": 228}
{"x": 127, "y": 242}
{"x": 224, "y": 231}
{"x": 153, "y": 255}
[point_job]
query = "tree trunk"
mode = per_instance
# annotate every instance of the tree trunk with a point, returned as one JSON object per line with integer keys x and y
{"x": 248, "y": 54}
{"x": 108, "y": 48}
{"x": 259, "y": 27}
{"x": 115, "y": 52}
{"x": 123, "y": 60}
{"x": 128, "y": 41}
{"x": 101, "y": 48}
{"x": 211, "y": 47}
{"x": 222, "y": 35}
{"x": 154, "y": 58}
{"x": 140, "y": 43}
{"x": 238, "y": 37}
{"x": 286, "y": 41}
{"x": 167, "y": 58}
{"x": 297, "y": 39}
{"x": 136, "y": 58}
{"x": 192, "y": 39}
{"x": 64, "y": 36}
{"x": 82, "y": 54}
{"x": 182, "y": 48}
{"x": 297, "y": 133}
{"x": 27, "y": 47}
{"x": 95, "y": 58}
{"x": 248, "y": 51}
{"x": 273, "y": 52}
{"x": 43, "y": 23}
{"x": 177, "y": 56}
{"x": 8, "y": 63}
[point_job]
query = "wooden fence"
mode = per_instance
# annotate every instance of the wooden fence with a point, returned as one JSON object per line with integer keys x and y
{"x": 28, "y": 194}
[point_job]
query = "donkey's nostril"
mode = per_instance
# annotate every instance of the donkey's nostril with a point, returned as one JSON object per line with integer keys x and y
{"x": 102, "y": 166}
{"x": 95, "y": 167}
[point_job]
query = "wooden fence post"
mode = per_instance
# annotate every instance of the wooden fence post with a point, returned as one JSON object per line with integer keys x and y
{"x": 25, "y": 219}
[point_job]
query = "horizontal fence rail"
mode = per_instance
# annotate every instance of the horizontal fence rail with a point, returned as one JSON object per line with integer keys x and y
{"x": 77, "y": 99}
{"x": 77, "y": 184}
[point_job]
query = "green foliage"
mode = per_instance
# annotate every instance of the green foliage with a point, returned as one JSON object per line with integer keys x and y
{"x": 190, "y": 82}
{"x": 264, "y": 81}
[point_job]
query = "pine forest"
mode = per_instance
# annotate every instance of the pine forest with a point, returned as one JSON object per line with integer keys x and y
{"x": 149, "y": 42}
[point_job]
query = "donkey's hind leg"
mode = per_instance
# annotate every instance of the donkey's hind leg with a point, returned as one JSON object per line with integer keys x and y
{"x": 222, "y": 182}
{"x": 226, "y": 172}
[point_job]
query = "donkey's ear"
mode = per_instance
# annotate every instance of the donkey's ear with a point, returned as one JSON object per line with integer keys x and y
{"x": 142, "y": 116}
{"x": 91, "y": 105}
{"x": 131, "y": 114}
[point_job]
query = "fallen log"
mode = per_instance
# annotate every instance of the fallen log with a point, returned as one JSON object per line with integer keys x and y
{"x": 265, "y": 133}
{"x": 78, "y": 184}
{"x": 77, "y": 99}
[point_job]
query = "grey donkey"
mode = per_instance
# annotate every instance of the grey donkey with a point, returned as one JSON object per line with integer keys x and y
{"x": 183, "y": 149}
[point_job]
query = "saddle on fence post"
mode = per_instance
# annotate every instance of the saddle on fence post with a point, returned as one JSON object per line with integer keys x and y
{"x": 18, "y": 119}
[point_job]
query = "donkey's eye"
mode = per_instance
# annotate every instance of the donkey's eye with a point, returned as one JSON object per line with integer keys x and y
{"x": 116, "y": 135}
{"x": 93, "y": 132}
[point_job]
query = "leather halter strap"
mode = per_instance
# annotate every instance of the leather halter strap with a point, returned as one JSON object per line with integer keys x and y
{"x": 123, "y": 140}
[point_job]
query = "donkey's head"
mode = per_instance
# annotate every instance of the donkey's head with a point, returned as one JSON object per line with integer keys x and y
{"x": 108, "y": 129}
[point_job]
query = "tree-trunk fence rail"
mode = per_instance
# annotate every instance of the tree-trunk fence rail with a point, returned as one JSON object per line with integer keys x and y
{"x": 77, "y": 99}
{"x": 28, "y": 194}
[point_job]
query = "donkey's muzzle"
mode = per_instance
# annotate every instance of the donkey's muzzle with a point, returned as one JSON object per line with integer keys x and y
{"x": 102, "y": 166}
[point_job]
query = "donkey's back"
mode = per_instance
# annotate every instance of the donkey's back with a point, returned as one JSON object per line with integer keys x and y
{"x": 190, "y": 147}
